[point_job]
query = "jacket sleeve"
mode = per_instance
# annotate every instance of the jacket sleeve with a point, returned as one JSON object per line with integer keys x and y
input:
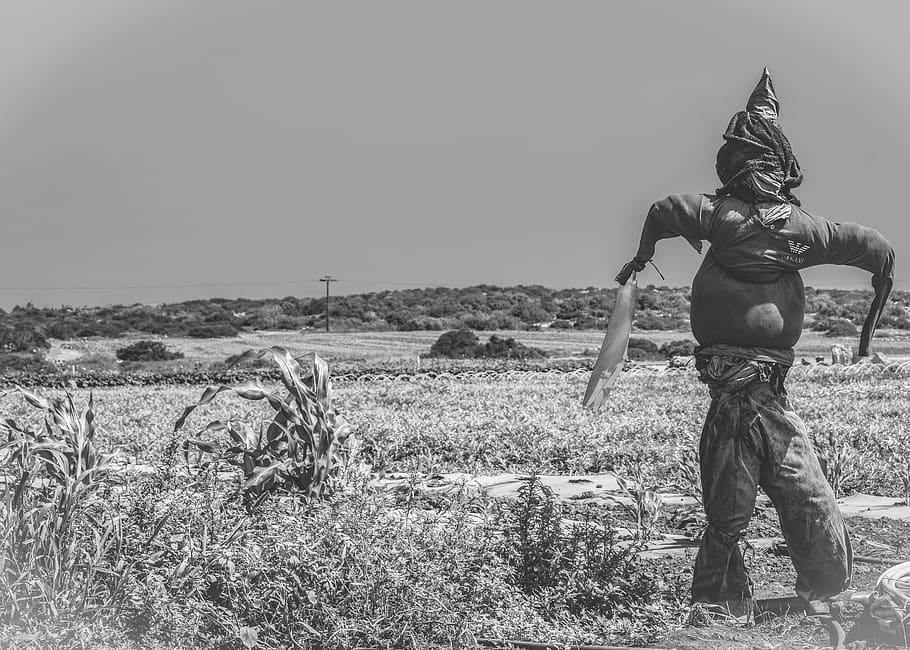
{"x": 681, "y": 215}
{"x": 850, "y": 244}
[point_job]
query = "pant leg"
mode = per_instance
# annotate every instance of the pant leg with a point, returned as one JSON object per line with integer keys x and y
{"x": 730, "y": 473}
{"x": 809, "y": 517}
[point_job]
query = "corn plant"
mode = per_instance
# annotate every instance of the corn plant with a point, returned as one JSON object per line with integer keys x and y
{"x": 298, "y": 449}
{"x": 690, "y": 469}
{"x": 52, "y": 555}
{"x": 646, "y": 502}
{"x": 895, "y": 451}
{"x": 836, "y": 458}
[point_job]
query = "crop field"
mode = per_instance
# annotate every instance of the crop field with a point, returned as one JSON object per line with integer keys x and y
{"x": 380, "y": 347}
{"x": 166, "y": 549}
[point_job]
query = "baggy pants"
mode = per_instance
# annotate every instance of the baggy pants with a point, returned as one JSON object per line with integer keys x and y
{"x": 752, "y": 437}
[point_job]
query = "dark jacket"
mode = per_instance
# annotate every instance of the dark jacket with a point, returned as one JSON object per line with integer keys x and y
{"x": 748, "y": 292}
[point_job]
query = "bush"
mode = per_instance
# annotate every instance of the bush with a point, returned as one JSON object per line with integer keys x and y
{"x": 21, "y": 338}
{"x": 681, "y": 348}
{"x": 587, "y": 323}
{"x": 835, "y": 327}
{"x": 642, "y": 350}
{"x": 457, "y": 344}
{"x": 562, "y": 324}
{"x": 581, "y": 568}
{"x": 499, "y": 348}
{"x": 648, "y": 322}
{"x": 25, "y": 363}
{"x": 147, "y": 351}
{"x": 212, "y": 331}
{"x": 637, "y": 354}
{"x": 643, "y": 344}
{"x": 464, "y": 344}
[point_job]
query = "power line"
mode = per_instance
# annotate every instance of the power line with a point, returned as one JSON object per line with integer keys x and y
{"x": 108, "y": 287}
{"x": 151, "y": 286}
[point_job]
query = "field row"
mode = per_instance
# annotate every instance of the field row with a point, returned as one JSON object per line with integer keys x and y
{"x": 534, "y": 424}
{"x": 380, "y": 347}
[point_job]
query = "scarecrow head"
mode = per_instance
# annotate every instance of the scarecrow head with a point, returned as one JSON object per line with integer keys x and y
{"x": 755, "y": 163}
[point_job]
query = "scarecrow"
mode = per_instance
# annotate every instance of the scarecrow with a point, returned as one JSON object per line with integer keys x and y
{"x": 747, "y": 311}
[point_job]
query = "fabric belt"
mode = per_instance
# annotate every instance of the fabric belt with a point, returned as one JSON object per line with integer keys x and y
{"x": 725, "y": 375}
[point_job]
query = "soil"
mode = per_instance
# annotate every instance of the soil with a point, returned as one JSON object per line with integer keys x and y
{"x": 773, "y": 575}
{"x": 771, "y": 572}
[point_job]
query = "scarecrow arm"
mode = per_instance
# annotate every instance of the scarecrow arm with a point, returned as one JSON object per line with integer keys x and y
{"x": 853, "y": 245}
{"x": 680, "y": 215}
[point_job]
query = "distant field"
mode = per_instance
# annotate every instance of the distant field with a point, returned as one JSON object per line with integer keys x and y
{"x": 378, "y": 347}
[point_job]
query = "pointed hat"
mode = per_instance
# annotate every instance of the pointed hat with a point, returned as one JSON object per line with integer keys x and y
{"x": 763, "y": 100}
{"x": 755, "y": 147}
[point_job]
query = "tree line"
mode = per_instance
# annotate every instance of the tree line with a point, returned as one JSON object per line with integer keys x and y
{"x": 483, "y": 308}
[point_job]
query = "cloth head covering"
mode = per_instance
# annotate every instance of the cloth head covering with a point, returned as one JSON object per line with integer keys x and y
{"x": 756, "y": 163}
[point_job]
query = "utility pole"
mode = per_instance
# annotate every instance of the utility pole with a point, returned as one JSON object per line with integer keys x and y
{"x": 327, "y": 279}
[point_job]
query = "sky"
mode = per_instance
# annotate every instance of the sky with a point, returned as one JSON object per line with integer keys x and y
{"x": 163, "y": 150}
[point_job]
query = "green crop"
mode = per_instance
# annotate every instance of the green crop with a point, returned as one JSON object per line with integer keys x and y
{"x": 55, "y": 556}
{"x": 298, "y": 449}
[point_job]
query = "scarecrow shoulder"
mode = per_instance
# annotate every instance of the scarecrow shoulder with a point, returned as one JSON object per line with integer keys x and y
{"x": 677, "y": 215}
{"x": 846, "y": 244}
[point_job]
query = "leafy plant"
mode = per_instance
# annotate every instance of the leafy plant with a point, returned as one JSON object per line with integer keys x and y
{"x": 147, "y": 351}
{"x": 836, "y": 458}
{"x": 646, "y": 502}
{"x": 678, "y": 348}
{"x": 52, "y": 552}
{"x": 690, "y": 470}
{"x": 457, "y": 344}
{"x": 581, "y": 566}
{"x": 299, "y": 448}
{"x": 895, "y": 451}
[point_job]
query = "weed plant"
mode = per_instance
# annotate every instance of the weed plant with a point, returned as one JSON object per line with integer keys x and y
{"x": 578, "y": 567}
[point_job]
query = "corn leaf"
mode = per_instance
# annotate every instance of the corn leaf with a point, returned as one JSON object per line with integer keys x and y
{"x": 201, "y": 445}
{"x": 261, "y": 475}
{"x": 35, "y": 400}
{"x": 207, "y": 396}
{"x": 248, "y": 355}
{"x": 251, "y": 390}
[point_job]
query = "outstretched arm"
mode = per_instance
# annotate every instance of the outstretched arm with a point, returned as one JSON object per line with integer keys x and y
{"x": 679, "y": 215}
{"x": 854, "y": 245}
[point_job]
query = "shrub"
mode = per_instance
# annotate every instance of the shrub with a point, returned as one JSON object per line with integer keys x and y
{"x": 587, "y": 323}
{"x": 681, "y": 348}
{"x": 643, "y": 344}
{"x": 839, "y": 327}
{"x": 212, "y": 331}
{"x": 560, "y": 324}
{"x": 498, "y": 347}
{"x": 147, "y": 351}
{"x": 21, "y": 338}
{"x": 457, "y": 344}
{"x": 25, "y": 363}
{"x": 421, "y": 323}
{"x": 643, "y": 350}
{"x": 649, "y": 322}
{"x": 581, "y": 567}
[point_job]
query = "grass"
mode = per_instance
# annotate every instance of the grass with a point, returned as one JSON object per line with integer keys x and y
{"x": 382, "y": 347}
{"x": 368, "y": 568}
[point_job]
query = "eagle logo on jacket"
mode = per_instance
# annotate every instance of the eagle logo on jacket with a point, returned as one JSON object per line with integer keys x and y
{"x": 797, "y": 247}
